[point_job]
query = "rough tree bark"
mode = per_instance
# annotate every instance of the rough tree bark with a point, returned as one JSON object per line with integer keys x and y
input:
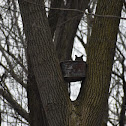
{"x": 67, "y": 27}
{"x": 100, "y": 55}
{"x": 49, "y": 86}
{"x": 42, "y": 54}
{"x": 36, "y": 111}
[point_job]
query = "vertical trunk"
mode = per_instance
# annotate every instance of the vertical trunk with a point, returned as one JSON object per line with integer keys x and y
{"x": 45, "y": 64}
{"x": 100, "y": 55}
{"x": 54, "y": 15}
{"x": 37, "y": 115}
{"x": 67, "y": 27}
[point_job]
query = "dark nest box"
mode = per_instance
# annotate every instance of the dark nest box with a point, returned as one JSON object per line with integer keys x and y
{"x": 73, "y": 70}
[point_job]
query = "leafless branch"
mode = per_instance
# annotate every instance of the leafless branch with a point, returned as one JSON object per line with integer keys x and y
{"x": 14, "y": 104}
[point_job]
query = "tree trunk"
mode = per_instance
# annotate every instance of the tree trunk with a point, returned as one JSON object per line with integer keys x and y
{"x": 45, "y": 73}
{"x": 37, "y": 115}
{"x": 100, "y": 55}
{"x": 45, "y": 64}
{"x": 67, "y": 27}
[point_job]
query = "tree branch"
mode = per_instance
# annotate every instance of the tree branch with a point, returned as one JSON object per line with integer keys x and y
{"x": 82, "y": 42}
{"x": 14, "y": 104}
{"x": 11, "y": 71}
{"x": 54, "y": 15}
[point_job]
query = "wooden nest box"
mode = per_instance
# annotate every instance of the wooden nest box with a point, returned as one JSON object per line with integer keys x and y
{"x": 73, "y": 70}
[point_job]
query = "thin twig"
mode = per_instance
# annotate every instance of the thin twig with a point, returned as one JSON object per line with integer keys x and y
{"x": 96, "y": 15}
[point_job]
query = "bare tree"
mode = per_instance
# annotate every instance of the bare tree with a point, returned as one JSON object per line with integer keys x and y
{"x": 89, "y": 107}
{"x": 51, "y": 28}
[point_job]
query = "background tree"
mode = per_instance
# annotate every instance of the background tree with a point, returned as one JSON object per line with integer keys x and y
{"x": 50, "y": 40}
